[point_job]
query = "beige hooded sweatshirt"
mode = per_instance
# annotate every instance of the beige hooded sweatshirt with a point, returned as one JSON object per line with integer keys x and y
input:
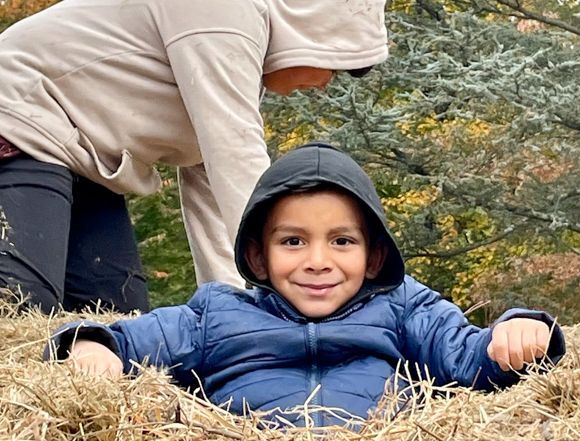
{"x": 108, "y": 88}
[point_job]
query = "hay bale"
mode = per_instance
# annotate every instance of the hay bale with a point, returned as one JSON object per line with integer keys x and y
{"x": 53, "y": 401}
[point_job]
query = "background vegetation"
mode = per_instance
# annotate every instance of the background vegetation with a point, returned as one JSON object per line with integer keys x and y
{"x": 471, "y": 132}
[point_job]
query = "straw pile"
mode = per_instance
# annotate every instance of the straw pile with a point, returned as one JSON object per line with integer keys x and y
{"x": 51, "y": 401}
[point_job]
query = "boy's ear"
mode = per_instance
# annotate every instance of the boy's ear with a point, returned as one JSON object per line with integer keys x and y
{"x": 375, "y": 262}
{"x": 256, "y": 260}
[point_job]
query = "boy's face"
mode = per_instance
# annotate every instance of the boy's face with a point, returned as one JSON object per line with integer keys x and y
{"x": 315, "y": 251}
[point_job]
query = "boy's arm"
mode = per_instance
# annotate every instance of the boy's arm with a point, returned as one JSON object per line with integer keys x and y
{"x": 167, "y": 337}
{"x": 436, "y": 334}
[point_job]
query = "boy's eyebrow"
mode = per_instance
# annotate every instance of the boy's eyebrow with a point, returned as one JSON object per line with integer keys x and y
{"x": 338, "y": 230}
{"x": 347, "y": 229}
{"x": 287, "y": 229}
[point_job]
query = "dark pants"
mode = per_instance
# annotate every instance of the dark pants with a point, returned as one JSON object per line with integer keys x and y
{"x": 66, "y": 240}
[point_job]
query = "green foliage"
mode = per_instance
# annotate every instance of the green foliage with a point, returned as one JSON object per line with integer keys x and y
{"x": 471, "y": 132}
{"x": 163, "y": 244}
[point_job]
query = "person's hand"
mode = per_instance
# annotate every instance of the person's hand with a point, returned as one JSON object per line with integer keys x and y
{"x": 518, "y": 341}
{"x": 95, "y": 359}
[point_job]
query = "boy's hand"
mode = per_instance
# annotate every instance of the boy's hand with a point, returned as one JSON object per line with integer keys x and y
{"x": 95, "y": 359}
{"x": 518, "y": 341}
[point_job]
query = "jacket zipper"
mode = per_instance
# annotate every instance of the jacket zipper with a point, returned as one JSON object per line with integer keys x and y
{"x": 314, "y": 376}
{"x": 343, "y": 314}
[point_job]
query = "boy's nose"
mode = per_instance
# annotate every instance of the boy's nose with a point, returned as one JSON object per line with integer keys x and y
{"x": 318, "y": 259}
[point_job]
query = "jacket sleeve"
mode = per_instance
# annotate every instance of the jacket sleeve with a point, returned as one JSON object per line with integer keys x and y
{"x": 437, "y": 336}
{"x": 219, "y": 78}
{"x": 167, "y": 337}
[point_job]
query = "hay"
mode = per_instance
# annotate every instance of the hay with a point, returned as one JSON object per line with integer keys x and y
{"x": 54, "y": 402}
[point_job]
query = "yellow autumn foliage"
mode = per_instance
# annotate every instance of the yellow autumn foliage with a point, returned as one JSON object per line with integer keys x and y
{"x": 412, "y": 200}
{"x": 12, "y": 10}
{"x": 288, "y": 141}
{"x": 472, "y": 130}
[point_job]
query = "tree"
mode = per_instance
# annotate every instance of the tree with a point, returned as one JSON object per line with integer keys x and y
{"x": 471, "y": 131}
{"x": 561, "y": 14}
{"x": 163, "y": 244}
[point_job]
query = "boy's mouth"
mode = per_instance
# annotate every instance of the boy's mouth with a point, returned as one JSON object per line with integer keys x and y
{"x": 318, "y": 289}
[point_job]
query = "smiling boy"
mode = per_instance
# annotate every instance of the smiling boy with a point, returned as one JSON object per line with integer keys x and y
{"x": 315, "y": 251}
{"x": 332, "y": 307}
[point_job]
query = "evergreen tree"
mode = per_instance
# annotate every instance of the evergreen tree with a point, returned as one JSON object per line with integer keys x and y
{"x": 471, "y": 130}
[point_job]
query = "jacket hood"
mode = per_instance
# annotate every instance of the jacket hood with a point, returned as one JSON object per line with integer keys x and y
{"x": 328, "y": 34}
{"x": 307, "y": 167}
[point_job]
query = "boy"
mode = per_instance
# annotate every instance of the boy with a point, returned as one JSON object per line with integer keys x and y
{"x": 332, "y": 307}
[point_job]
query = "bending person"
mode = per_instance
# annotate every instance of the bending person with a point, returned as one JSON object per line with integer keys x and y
{"x": 94, "y": 93}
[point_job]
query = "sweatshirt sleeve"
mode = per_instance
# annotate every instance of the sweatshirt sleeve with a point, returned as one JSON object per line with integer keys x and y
{"x": 219, "y": 78}
{"x": 209, "y": 239}
{"x": 167, "y": 337}
{"x": 437, "y": 336}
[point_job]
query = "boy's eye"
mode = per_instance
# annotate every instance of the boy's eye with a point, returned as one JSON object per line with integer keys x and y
{"x": 292, "y": 241}
{"x": 342, "y": 241}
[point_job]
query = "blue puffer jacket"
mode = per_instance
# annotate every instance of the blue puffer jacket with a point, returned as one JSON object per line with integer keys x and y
{"x": 251, "y": 346}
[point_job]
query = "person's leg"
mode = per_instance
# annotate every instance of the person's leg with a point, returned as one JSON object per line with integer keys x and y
{"x": 103, "y": 261}
{"x": 35, "y": 203}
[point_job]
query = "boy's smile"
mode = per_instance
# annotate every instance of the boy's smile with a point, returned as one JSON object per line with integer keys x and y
{"x": 315, "y": 251}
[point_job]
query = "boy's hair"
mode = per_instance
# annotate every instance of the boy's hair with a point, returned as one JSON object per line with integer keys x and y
{"x": 375, "y": 239}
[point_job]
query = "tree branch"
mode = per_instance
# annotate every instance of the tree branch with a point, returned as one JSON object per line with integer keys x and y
{"x": 456, "y": 252}
{"x": 434, "y": 9}
{"x": 522, "y": 12}
{"x": 530, "y": 213}
{"x": 556, "y": 221}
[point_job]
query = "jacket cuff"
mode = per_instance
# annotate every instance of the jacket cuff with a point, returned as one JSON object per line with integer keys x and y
{"x": 492, "y": 376}
{"x": 557, "y": 345}
{"x": 61, "y": 341}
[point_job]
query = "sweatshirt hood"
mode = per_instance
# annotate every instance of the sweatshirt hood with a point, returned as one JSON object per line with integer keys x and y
{"x": 328, "y": 34}
{"x": 306, "y": 167}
